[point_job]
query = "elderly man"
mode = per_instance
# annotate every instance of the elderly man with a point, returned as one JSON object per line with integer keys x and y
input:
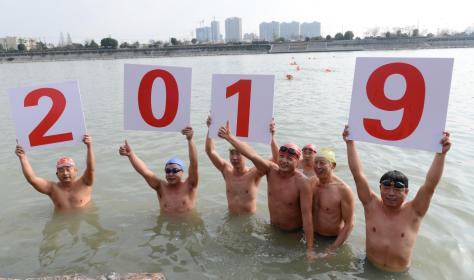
{"x": 70, "y": 192}
{"x": 333, "y": 204}
{"x": 391, "y": 223}
{"x": 175, "y": 194}
{"x": 289, "y": 191}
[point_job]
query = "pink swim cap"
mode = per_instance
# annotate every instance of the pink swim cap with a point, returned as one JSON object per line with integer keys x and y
{"x": 65, "y": 161}
{"x": 310, "y": 146}
{"x": 292, "y": 149}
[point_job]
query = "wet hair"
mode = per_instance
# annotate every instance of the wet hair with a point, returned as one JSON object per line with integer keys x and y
{"x": 395, "y": 176}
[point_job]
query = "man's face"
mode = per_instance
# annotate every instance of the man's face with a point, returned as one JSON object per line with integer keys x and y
{"x": 308, "y": 154}
{"x": 322, "y": 167}
{"x": 287, "y": 162}
{"x": 236, "y": 159}
{"x": 392, "y": 196}
{"x": 173, "y": 174}
{"x": 66, "y": 174}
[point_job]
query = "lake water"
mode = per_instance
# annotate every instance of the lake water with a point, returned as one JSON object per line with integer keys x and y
{"x": 124, "y": 231}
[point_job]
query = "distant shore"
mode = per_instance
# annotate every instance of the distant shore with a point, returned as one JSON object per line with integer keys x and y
{"x": 242, "y": 49}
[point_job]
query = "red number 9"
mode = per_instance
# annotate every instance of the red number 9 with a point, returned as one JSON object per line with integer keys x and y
{"x": 412, "y": 101}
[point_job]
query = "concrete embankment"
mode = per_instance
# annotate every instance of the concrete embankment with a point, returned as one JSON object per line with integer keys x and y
{"x": 242, "y": 49}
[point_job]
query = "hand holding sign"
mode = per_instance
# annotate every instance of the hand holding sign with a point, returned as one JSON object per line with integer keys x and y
{"x": 400, "y": 101}
{"x": 58, "y": 109}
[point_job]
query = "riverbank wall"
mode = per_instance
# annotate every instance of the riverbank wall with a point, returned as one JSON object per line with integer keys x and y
{"x": 242, "y": 49}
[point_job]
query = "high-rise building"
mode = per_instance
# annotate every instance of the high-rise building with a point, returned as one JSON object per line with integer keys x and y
{"x": 269, "y": 31}
{"x": 290, "y": 30}
{"x": 249, "y": 37}
{"x": 215, "y": 31}
{"x": 233, "y": 29}
{"x": 203, "y": 34}
{"x": 310, "y": 29}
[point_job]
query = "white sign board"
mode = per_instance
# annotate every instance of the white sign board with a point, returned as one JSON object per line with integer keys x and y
{"x": 156, "y": 97}
{"x": 400, "y": 101}
{"x": 48, "y": 115}
{"x": 246, "y": 101}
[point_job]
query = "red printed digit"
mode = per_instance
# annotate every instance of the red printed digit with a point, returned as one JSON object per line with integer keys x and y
{"x": 37, "y": 136}
{"x": 144, "y": 98}
{"x": 243, "y": 88}
{"x": 412, "y": 101}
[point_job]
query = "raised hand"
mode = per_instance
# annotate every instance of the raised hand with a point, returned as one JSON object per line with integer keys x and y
{"x": 224, "y": 131}
{"x": 125, "y": 149}
{"x": 445, "y": 142}
{"x": 345, "y": 134}
{"x": 87, "y": 139}
{"x": 188, "y": 132}
{"x": 19, "y": 150}
{"x": 208, "y": 121}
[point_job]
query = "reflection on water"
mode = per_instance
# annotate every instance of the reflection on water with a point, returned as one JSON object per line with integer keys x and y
{"x": 71, "y": 240}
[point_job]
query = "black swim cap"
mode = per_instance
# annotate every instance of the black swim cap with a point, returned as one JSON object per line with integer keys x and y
{"x": 395, "y": 176}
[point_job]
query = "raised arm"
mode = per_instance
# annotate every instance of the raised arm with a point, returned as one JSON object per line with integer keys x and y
{"x": 421, "y": 202}
{"x": 261, "y": 164}
{"x": 193, "y": 177}
{"x": 41, "y": 185}
{"x": 211, "y": 152}
{"x": 306, "y": 202}
{"x": 273, "y": 145}
{"x": 88, "y": 176}
{"x": 363, "y": 190}
{"x": 140, "y": 166}
{"x": 347, "y": 212}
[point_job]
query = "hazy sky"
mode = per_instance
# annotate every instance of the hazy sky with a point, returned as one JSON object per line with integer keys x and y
{"x": 131, "y": 20}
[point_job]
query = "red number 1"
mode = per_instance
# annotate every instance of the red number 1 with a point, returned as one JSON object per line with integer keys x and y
{"x": 412, "y": 101}
{"x": 243, "y": 88}
{"x": 37, "y": 136}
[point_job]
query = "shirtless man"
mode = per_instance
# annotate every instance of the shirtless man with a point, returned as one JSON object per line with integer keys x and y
{"x": 175, "y": 195}
{"x": 306, "y": 164}
{"x": 70, "y": 192}
{"x": 391, "y": 224}
{"x": 333, "y": 204}
{"x": 241, "y": 182}
{"x": 289, "y": 191}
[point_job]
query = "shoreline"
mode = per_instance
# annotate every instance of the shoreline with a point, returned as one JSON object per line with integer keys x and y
{"x": 375, "y": 44}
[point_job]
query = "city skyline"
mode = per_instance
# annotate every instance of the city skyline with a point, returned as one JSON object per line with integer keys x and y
{"x": 145, "y": 20}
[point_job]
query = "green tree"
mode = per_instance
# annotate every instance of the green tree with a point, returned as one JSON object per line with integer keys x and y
{"x": 91, "y": 45}
{"x": 328, "y": 37}
{"x": 193, "y": 41}
{"x": 339, "y": 36}
{"x": 174, "y": 41}
{"x": 41, "y": 46}
{"x": 415, "y": 32}
{"x": 108, "y": 43}
{"x": 280, "y": 40}
{"x": 21, "y": 47}
{"x": 388, "y": 34}
{"x": 348, "y": 35}
{"x": 124, "y": 45}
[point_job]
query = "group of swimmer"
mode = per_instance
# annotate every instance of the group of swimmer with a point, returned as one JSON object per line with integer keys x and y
{"x": 303, "y": 191}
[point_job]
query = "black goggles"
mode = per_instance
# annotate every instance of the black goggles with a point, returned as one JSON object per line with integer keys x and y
{"x": 396, "y": 184}
{"x": 290, "y": 151}
{"x": 172, "y": 170}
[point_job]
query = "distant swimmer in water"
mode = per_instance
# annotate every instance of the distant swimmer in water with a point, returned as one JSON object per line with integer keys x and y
{"x": 241, "y": 181}
{"x": 289, "y": 77}
{"x": 289, "y": 191}
{"x": 333, "y": 204}
{"x": 175, "y": 194}
{"x": 391, "y": 224}
{"x": 70, "y": 192}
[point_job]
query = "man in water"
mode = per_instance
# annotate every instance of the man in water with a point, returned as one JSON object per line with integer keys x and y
{"x": 70, "y": 192}
{"x": 391, "y": 224}
{"x": 306, "y": 164}
{"x": 289, "y": 191}
{"x": 175, "y": 195}
{"x": 333, "y": 204}
{"x": 241, "y": 181}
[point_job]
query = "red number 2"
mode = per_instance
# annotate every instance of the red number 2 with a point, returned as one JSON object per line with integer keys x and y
{"x": 172, "y": 98}
{"x": 37, "y": 136}
{"x": 412, "y": 101}
{"x": 243, "y": 87}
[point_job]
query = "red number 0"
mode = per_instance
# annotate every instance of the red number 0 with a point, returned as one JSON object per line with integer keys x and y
{"x": 37, "y": 136}
{"x": 243, "y": 87}
{"x": 412, "y": 101}
{"x": 172, "y": 98}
